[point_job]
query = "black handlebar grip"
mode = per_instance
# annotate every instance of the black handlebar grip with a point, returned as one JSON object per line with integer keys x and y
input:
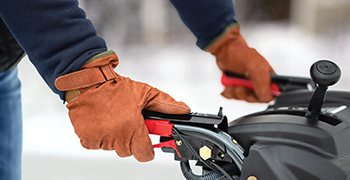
{"x": 325, "y": 73}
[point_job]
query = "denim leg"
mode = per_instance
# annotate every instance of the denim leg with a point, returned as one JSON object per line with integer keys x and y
{"x": 10, "y": 126}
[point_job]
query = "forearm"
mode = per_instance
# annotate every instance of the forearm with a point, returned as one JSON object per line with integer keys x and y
{"x": 205, "y": 18}
{"x": 55, "y": 34}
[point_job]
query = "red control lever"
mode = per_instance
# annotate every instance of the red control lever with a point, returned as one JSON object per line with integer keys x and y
{"x": 159, "y": 127}
{"x": 170, "y": 144}
{"x": 162, "y": 128}
{"x": 240, "y": 81}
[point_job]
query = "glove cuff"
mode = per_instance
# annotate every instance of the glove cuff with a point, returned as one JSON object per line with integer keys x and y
{"x": 232, "y": 36}
{"x": 221, "y": 36}
{"x": 98, "y": 70}
{"x": 102, "y": 59}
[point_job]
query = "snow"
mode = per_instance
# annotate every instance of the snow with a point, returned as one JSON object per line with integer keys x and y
{"x": 51, "y": 150}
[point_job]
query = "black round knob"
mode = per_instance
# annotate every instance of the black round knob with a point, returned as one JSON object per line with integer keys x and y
{"x": 325, "y": 73}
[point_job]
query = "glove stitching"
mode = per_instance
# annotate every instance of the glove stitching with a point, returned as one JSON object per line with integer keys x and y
{"x": 171, "y": 104}
{"x": 146, "y": 101}
{"x": 160, "y": 102}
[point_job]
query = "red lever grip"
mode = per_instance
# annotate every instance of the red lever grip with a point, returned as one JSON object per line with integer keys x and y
{"x": 235, "y": 81}
{"x": 159, "y": 127}
{"x": 162, "y": 128}
{"x": 170, "y": 144}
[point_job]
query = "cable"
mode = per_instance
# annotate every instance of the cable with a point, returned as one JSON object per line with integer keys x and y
{"x": 222, "y": 171}
{"x": 211, "y": 165}
{"x": 214, "y": 175}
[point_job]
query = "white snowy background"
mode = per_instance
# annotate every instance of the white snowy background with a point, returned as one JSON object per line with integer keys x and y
{"x": 169, "y": 60}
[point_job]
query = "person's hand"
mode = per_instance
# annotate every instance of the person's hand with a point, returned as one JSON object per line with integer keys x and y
{"x": 233, "y": 55}
{"x": 105, "y": 108}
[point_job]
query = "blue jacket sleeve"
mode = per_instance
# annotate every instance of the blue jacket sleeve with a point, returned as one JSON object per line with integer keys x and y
{"x": 205, "y": 18}
{"x": 55, "y": 34}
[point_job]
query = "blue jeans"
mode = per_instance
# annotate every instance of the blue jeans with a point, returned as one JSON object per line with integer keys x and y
{"x": 10, "y": 126}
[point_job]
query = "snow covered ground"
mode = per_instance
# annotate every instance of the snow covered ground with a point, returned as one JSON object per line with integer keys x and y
{"x": 51, "y": 150}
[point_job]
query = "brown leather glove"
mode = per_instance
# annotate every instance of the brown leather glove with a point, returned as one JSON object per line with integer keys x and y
{"x": 233, "y": 55}
{"x": 105, "y": 108}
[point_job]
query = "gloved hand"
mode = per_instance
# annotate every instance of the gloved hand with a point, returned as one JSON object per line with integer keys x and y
{"x": 105, "y": 108}
{"x": 233, "y": 55}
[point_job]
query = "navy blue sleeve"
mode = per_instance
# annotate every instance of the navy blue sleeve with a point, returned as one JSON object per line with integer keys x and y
{"x": 205, "y": 18}
{"x": 55, "y": 34}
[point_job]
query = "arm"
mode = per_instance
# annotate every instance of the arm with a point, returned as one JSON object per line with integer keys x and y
{"x": 206, "y": 18}
{"x": 55, "y": 34}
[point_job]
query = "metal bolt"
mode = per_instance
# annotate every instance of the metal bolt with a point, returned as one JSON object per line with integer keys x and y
{"x": 222, "y": 156}
{"x": 252, "y": 178}
{"x": 234, "y": 141}
{"x": 205, "y": 152}
{"x": 178, "y": 142}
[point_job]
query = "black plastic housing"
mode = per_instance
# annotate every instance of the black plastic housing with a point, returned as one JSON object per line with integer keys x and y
{"x": 280, "y": 143}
